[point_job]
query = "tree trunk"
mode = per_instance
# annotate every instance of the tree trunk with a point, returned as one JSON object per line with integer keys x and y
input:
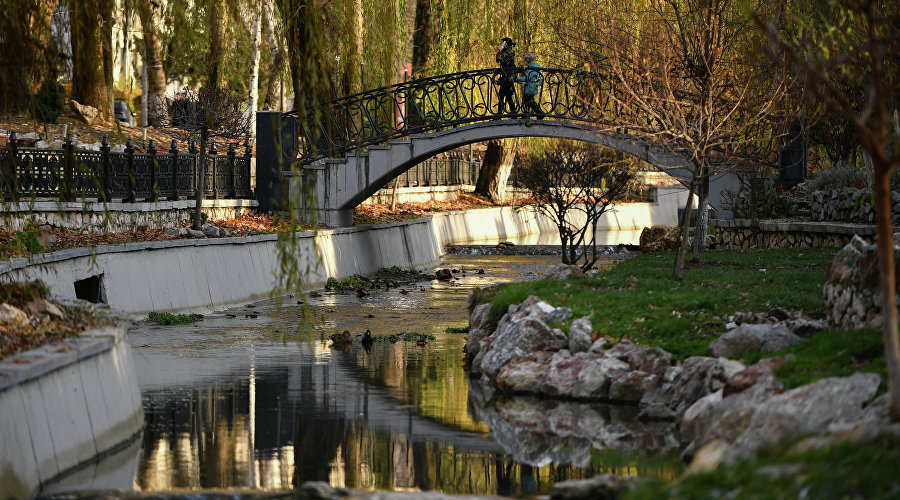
{"x": 157, "y": 112}
{"x": 425, "y": 33}
{"x": 89, "y": 82}
{"x": 201, "y": 181}
{"x": 273, "y": 89}
{"x": 216, "y": 43}
{"x": 888, "y": 286}
{"x": 495, "y": 169}
{"x": 253, "y": 84}
{"x": 678, "y": 274}
{"x": 699, "y": 243}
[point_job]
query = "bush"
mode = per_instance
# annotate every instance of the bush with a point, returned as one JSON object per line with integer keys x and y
{"x": 27, "y": 241}
{"x": 48, "y": 104}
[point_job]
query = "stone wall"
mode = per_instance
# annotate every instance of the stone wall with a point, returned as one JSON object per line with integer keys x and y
{"x": 852, "y": 299}
{"x": 116, "y": 217}
{"x": 849, "y": 205}
{"x": 740, "y": 233}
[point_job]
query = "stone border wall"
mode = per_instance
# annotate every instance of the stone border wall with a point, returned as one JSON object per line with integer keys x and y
{"x": 740, "y": 233}
{"x": 63, "y": 405}
{"x": 115, "y": 217}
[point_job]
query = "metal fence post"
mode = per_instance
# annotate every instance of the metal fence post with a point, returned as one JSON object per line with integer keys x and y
{"x": 12, "y": 178}
{"x": 129, "y": 157}
{"x": 68, "y": 162}
{"x": 154, "y": 174}
{"x": 104, "y": 168}
{"x": 248, "y": 158}
{"x": 231, "y": 178}
{"x": 195, "y": 179}
{"x": 213, "y": 152}
{"x": 173, "y": 152}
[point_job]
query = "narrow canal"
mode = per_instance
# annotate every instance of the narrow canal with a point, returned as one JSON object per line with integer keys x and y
{"x": 244, "y": 400}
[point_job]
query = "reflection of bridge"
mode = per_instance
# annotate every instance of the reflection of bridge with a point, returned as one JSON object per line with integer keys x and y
{"x": 356, "y": 144}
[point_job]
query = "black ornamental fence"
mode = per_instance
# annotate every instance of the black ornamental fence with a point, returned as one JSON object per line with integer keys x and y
{"x": 449, "y": 169}
{"x": 129, "y": 176}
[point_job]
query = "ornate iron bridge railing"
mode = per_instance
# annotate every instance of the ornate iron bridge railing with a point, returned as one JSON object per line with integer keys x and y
{"x": 445, "y": 101}
{"x": 128, "y": 176}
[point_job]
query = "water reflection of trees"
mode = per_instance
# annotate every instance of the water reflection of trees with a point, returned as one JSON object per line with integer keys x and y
{"x": 277, "y": 429}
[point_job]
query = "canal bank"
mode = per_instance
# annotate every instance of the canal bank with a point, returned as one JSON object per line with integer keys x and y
{"x": 200, "y": 275}
{"x": 63, "y": 408}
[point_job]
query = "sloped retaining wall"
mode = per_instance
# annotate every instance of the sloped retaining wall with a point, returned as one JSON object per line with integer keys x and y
{"x": 204, "y": 274}
{"x": 740, "y": 233}
{"x": 63, "y": 406}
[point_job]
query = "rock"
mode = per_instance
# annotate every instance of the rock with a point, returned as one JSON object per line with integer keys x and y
{"x": 631, "y": 386}
{"x": 478, "y": 318}
{"x": 827, "y": 405}
{"x": 118, "y": 148}
{"x": 601, "y": 487}
{"x": 12, "y": 316}
{"x": 41, "y": 306}
{"x": 754, "y": 338}
{"x": 759, "y": 416}
{"x": 698, "y": 377}
{"x": 754, "y": 374}
{"x": 657, "y": 238}
{"x": 564, "y": 272}
{"x": 171, "y": 231}
{"x": 515, "y": 337}
{"x": 443, "y": 274}
{"x": 193, "y": 233}
{"x": 210, "y": 231}
{"x": 805, "y": 327}
{"x": 557, "y": 315}
{"x": 651, "y": 360}
{"x": 580, "y": 335}
{"x": 599, "y": 346}
{"x": 317, "y": 490}
{"x": 87, "y": 114}
{"x": 224, "y": 233}
{"x": 524, "y": 373}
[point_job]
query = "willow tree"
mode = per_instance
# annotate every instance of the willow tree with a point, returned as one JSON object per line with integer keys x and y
{"x": 92, "y": 53}
{"x": 845, "y": 40}
{"x": 157, "y": 112}
{"x": 25, "y": 55}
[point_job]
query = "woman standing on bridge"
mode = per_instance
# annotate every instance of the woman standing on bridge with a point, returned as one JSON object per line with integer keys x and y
{"x": 506, "y": 57}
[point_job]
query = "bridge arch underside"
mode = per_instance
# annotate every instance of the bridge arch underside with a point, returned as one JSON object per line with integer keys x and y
{"x": 342, "y": 184}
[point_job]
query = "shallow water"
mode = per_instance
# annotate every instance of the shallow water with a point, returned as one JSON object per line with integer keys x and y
{"x": 243, "y": 400}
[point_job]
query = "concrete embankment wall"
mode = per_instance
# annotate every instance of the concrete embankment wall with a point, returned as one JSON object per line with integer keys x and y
{"x": 204, "y": 274}
{"x": 63, "y": 405}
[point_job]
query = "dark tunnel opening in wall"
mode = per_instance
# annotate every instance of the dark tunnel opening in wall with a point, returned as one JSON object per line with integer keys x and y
{"x": 91, "y": 289}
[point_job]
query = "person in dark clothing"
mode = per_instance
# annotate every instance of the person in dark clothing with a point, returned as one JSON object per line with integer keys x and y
{"x": 506, "y": 57}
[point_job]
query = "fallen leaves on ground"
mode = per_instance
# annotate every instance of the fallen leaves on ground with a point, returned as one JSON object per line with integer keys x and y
{"x": 40, "y": 330}
{"x": 380, "y": 213}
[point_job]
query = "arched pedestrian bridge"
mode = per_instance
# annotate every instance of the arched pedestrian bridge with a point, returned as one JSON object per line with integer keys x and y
{"x": 357, "y": 144}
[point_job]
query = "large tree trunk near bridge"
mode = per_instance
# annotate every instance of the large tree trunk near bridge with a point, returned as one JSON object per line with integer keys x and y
{"x": 495, "y": 169}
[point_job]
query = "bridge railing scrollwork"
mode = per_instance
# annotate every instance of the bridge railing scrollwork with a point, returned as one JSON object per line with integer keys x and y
{"x": 445, "y": 101}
